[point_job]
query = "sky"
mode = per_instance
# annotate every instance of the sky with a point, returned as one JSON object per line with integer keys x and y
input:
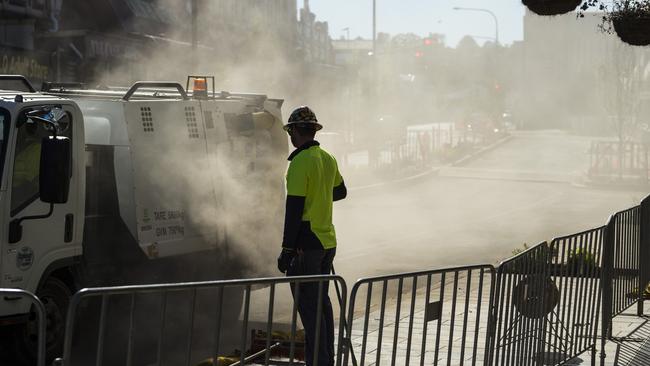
{"x": 423, "y": 17}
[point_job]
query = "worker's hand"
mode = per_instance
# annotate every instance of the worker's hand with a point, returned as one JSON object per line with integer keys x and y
{"x": 284, "y": 260}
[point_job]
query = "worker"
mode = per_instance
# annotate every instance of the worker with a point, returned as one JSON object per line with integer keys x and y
{"x": 309, "y": 242}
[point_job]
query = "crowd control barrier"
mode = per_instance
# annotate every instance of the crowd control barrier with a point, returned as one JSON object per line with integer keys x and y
{"x": 161, "y": 324}
{"x": 623, "y": 249}
{"x": 429, "y": 313}
{"x": 547, "y": 302}
{"x": 625, "y": 275}
{"x": 611, "y": 160}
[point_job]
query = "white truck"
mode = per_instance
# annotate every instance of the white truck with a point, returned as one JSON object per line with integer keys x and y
{"x": 120, "y": 186}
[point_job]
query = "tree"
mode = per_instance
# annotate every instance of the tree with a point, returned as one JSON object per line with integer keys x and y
{"x": 621, "y": 78}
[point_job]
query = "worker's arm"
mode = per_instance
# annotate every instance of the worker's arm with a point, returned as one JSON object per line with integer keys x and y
{"x": 296, "y": 193}
{"x": 292, "y": 220}
{"x": 340, "y": 192}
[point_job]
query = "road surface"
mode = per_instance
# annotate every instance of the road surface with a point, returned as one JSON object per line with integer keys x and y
{"x": 527, "y": 190}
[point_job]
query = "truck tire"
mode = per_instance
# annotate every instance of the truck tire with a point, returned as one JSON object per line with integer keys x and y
{"x": 55, "y": 295}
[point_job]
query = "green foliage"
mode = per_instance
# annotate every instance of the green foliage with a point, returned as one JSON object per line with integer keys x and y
{"x": 581, "y": 259}
{"x": 635, "y": 292}
{"x": 616, "y": 10}
{"x": 517, "y": 251}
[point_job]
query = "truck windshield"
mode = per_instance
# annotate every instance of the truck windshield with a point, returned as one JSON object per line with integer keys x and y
{"x": 5, "y": 122}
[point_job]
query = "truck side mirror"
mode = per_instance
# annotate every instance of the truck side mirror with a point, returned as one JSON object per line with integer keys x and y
{"x": 56, "y": 169}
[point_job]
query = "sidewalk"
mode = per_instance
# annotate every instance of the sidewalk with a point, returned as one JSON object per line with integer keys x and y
{"x": 631, "y": 339}
{"x": 447, "y": 353}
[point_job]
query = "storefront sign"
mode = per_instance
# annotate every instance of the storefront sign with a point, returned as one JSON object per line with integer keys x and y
{"x": 28, "y": 65}
{"x": 106, "y": 47}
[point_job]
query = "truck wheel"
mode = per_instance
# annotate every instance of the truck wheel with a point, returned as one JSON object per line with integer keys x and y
{"x": 55, "y": 295}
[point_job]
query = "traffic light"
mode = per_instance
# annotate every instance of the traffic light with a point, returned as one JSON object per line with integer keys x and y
{"x": 428, "y": 41}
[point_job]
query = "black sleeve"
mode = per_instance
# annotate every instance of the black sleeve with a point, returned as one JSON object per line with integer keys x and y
{"x": 340, "y": 192}
{"x": 292, "y": 221}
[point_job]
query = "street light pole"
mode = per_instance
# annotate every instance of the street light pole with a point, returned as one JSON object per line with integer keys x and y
{"x": 347, "y": 32}
{"x": 195, "y": 40}
{"x": 374, "y": 27}
{"x": 496, "y": 21}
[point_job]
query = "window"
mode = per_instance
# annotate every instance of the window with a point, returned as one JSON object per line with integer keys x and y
{"x": 5, "y": 121}
{"x": 27, "y": 158}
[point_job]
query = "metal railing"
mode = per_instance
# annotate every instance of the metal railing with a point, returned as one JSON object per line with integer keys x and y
{"x": 624, "y": 249}
{"x": 619, "y": 160}
{"x": 173, "y": 311}
{"x": 625, "y": 272}
{"x": 39, "y": 308}
{"x": 524, "y": 295}
{"x": 430, "y": 309}
{"x": 547, "y": 301}
{"x": 576, "y": 269}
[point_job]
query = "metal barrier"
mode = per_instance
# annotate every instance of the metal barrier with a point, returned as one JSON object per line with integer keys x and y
{"x": 442, "y": 306}
{"x": 623, "y": 249}
{"x": 619, "y": 160}
{"x": 547, "y": 302}
{"x": 576, "y": 268}
{"x": 39, "y": 308}
{"x": 172, "y": 310}
{"x": 520, "y": 307}
{"x": 624, "y": 281}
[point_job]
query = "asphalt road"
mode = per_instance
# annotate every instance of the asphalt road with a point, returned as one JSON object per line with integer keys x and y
{"x": 526, "y": 190}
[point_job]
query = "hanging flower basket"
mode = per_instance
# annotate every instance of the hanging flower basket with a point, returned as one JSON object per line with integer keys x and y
{"x": 632, "y": 30}
{"x": 551, "y": 7}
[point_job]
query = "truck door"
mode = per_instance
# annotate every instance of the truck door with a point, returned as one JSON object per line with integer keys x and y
{"x": 45, "y": 240}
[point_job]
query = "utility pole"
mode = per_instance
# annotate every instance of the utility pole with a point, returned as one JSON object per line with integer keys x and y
{"x": 374, "y": 27}
{"x": 195, "y": 40}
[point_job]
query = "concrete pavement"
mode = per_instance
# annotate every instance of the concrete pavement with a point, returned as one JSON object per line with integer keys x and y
{"x": 630, "y": 345}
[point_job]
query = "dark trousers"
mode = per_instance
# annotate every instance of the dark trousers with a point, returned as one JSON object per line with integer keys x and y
{"x": 315, "y": 262}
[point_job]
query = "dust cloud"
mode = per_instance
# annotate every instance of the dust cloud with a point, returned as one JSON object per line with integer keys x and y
{"x": 415, "y": 103}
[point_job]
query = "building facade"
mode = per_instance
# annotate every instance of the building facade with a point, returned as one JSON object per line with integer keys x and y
{"x": 20, "y": 23}
{"x": 314, "y": 41}
{"x": 575, "y": 75}
{"x": 277, "y": 47}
